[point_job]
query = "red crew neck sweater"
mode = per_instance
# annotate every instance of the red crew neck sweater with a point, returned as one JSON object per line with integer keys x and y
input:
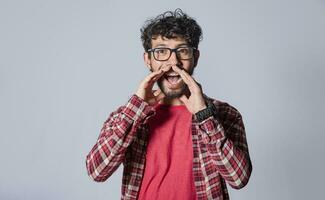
{"x": 169, "y": 159}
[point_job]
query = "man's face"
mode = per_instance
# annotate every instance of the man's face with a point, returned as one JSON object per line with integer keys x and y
{"x": 171, "y": 84}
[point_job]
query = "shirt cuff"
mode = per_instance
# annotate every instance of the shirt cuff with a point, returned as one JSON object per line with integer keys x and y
{"x": 138, "y": 109}
{"x": 212, "y": 130}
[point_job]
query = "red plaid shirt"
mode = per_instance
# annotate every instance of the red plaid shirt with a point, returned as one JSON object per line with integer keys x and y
{"x": 220, "y": 151}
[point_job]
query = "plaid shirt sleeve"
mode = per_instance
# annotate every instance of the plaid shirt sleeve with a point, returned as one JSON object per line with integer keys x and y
{"x": 115, "y": 136}
{"x": 226, "y": 142}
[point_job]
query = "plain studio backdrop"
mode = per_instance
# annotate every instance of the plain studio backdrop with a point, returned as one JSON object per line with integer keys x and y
{"x": 66, "y": 65}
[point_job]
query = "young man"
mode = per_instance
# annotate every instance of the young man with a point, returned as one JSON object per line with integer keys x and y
{"x": 174, "y": 142}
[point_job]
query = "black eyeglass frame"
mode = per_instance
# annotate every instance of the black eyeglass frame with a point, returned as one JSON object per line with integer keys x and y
{"x": 171, "y": 51}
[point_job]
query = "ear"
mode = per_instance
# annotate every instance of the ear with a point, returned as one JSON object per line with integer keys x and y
{"x": 196, "y": 57}
{"x": 147, "y": 60}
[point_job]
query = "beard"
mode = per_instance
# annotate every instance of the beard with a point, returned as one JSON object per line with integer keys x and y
{"x": 174, "y": 93}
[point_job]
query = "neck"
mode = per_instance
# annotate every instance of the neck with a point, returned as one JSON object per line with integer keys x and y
{"x": 172, "y": 102}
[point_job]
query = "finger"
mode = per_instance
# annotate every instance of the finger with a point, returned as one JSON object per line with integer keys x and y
{"x": 162, "y": 70}
{"x": 166, "y": 68}
{"x": 176, "y": 69}
{"x": 152, "y": 75}
{"x": 155, "y": 78}
{"x": 180, "y": 72}
{"x": 196, "y": 86}
{"x": 151, "y": 78}
{"x": 191, "y": 82}
{"x": 184, "y": 99}
{"x": 160, "y": 96}
{"x": 156, "y": 92}
{"x": 189, "y": 77}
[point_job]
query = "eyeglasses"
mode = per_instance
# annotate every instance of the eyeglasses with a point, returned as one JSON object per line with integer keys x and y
{"x": 164, "y": 53}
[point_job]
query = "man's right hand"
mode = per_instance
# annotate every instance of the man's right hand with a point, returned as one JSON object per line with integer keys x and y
{"x": 145, "y": 91}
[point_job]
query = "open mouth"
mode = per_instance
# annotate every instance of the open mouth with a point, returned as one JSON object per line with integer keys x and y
{"x": 173, "y": 79}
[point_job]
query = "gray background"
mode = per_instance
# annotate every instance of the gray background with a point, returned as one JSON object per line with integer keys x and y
{"x": 65, "y": 65}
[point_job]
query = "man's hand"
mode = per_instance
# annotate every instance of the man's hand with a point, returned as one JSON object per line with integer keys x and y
{"x": 193, "y": 101}
{"x": 145, "y": 91}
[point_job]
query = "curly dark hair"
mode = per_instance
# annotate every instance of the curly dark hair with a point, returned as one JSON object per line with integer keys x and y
{"x": 171, "y": 24}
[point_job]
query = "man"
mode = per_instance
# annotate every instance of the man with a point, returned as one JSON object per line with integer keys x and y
{"x": 174, "y": 142}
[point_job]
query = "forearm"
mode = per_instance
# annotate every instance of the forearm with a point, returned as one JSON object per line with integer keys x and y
{"x": 115, "y": 137}
{"x": 228, "y": 149}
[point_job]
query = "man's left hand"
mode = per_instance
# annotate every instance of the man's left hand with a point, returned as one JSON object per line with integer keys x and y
{"x": 194, "y": 101}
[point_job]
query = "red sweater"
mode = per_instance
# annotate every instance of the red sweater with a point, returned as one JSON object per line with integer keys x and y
{"x": 169, "y": 159}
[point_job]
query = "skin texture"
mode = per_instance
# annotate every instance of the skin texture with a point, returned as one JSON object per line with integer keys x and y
{"x": 188, "y": 92}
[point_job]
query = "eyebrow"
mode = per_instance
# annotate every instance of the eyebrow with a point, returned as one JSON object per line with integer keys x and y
{"x": 164, "y": 45}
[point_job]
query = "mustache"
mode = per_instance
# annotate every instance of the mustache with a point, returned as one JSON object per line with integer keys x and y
{"x": 169, "y": 65}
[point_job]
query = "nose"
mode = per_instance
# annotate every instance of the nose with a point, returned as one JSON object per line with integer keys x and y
{"x": 173, "y": 59}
